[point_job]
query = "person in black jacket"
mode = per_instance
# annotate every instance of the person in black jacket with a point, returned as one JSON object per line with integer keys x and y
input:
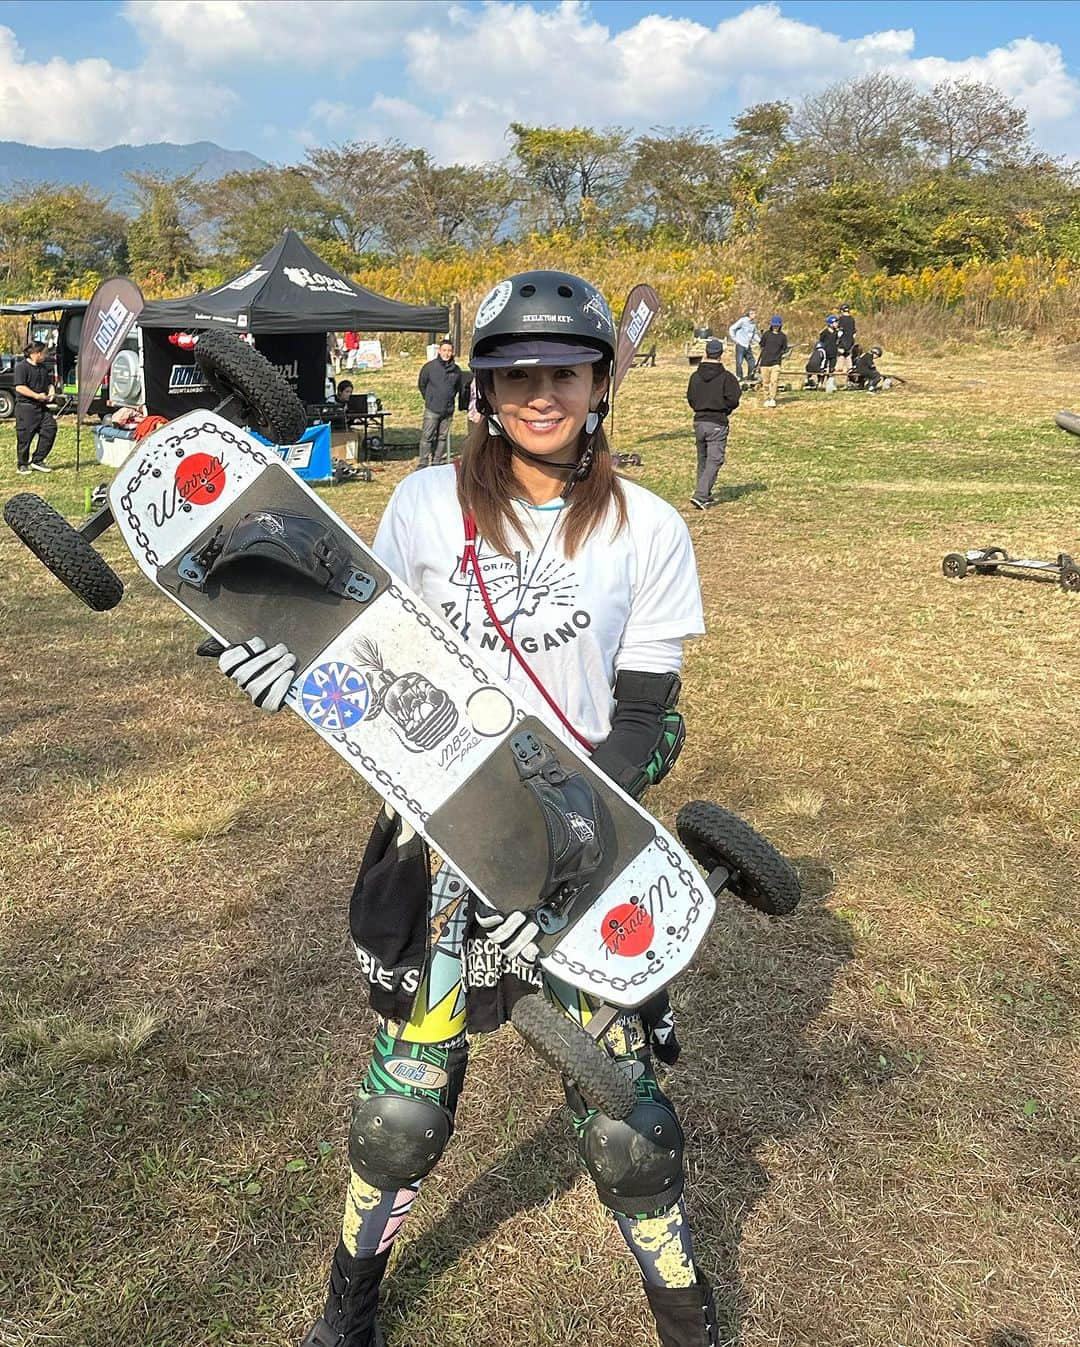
{"x": 713, "y": 392}
{"x": 774, "y": 346}
{"x": 867, "y": 373}
{"x": 34, "y": 390}
{"x": 443, "y": 385}
{"x": 816, "y": 367}
{"x": 828, "y": 338}
{"x": 845, "y": 339}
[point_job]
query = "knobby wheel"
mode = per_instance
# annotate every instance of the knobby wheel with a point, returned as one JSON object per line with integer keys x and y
{"x": 234, "y": 368}
{"x": 64, "y": 551}
{"x": 760, "y": 876}
{"x": 573, "y": 1052}
{"x": 954, "y": 566}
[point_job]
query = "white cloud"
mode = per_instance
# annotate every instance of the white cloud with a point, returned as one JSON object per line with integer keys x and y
{"x": 511, "y": 61}
{"x": 1031, "y": 73}
{"x": 92, "y": 104}
{"x": 284, "y": 32}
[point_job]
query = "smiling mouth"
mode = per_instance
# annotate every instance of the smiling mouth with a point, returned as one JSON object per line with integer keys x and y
{"x": 545, "y": 426}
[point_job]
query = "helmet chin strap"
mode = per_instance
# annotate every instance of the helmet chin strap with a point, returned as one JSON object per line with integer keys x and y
{"x": 578, "y": 470}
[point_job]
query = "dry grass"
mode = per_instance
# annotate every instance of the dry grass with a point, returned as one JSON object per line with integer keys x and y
{"x": 881, "y": 1095}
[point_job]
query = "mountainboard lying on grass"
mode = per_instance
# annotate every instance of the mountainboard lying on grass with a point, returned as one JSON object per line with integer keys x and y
{"x": 222, "y": 527}
{"x": 993, "y": 560}
{"x": 1069, "y": 421}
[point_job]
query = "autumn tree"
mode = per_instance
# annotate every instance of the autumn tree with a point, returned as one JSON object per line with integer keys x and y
{"x": 759, "y": 153}
{"x": 364, "y": 182}
{"x": 248, "y": 211}
{"x": 967, "y": 126}
{"x": 160, "y": 235}
{"x": 573, "y": 174}
{"x": 452, "y": 205}
{"x": 680, "y": 180}
{"x": 52, "y": 235}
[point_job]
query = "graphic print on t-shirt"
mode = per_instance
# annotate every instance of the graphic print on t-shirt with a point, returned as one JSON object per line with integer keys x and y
{"x": 534, "y": 597}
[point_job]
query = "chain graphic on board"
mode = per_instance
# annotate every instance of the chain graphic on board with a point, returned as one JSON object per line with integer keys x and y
{"x": 677, "y": 934}
{"x": 176, "y": 442}
{"x": 435, "y": 627}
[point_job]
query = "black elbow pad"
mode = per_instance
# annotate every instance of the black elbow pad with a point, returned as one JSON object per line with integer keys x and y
{"x": 647, "y": 732}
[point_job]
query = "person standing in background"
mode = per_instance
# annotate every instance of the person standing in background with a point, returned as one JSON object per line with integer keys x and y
{"x": 774, "y": 346}
{"x": 827, "y": 340}
{"x": 442, "y": 383}
{"x": 713, "y": 392}
{"x": 34, "y": 390}
{"x": 845, "y": 339}
{"x": 743, "y": 333}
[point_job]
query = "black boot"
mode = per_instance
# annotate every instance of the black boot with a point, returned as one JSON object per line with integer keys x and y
{"x": 685, "y": 1315}
{"x": 349, "y": 1317}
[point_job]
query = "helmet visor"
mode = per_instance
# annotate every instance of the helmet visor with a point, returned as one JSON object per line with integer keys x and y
{"x": 509, "y": 354}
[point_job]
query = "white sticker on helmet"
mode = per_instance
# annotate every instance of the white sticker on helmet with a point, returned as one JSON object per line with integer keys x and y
{"x": 493, "y": 303}
{"x": 596, "y": 306}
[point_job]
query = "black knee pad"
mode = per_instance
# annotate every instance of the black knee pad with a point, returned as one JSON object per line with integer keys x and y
{"x": 404, "y": 1116}
{"x": 636, "y": 1162}
{"x": 396, "y": 1139}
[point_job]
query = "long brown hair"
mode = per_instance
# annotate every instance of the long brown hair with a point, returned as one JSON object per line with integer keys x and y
{"x": 487, "y": 487}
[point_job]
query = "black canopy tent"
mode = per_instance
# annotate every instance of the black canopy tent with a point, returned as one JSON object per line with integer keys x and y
{"x": 289, "y": 300}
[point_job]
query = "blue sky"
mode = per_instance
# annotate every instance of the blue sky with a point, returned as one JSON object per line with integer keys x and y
{"x": 273, "y": 76}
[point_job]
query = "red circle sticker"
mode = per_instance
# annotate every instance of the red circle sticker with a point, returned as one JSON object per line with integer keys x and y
{"x": 200, "y": 479}
{"x": 627, "y": 930}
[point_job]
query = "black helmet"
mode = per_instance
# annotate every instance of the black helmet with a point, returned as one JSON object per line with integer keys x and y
{"x": 542, "y": 308}
{"x": 876, "y": 350}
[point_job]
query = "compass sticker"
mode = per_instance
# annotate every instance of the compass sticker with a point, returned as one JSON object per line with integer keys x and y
{"x": 335, "y": 696}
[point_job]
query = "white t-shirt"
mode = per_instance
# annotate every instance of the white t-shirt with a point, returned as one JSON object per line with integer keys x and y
{"x": 577, "y": 622}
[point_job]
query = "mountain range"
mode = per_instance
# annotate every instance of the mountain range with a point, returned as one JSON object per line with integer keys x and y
{"x": 105, "y": 169}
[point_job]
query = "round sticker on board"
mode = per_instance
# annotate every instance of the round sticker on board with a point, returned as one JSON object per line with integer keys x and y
{"x": 335, "y": 696}
{"x": 493, "y": 303}
{"x": 627, "y": 930}
{"x": 490, "y": 712}
{"x": 200, "y": 479}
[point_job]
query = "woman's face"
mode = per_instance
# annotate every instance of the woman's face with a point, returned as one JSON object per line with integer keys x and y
{"x": 543, "y": 408}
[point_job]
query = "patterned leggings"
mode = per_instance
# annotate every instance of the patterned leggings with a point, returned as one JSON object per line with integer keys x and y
{"x": 426, "y": 1055}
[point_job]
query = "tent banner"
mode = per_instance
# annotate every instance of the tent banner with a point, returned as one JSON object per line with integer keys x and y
{"x": 642, "y": 306}
{"x": 114, "y": 306}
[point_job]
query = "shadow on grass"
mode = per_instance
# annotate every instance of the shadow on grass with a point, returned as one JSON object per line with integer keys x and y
{"x": 746, "y": 1080}
{"x": 1009, "y": 1337}
{"x": 737, "y": 490}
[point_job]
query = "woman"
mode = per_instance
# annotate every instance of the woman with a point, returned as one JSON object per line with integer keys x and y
{"x": 591, "y": 582}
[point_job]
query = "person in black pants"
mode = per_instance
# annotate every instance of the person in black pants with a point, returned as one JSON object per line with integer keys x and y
{"x": 34, "y": 388}
{"x": 444, "y": 387}
{"x": 845, "y": 340}
{"x": 713, "y": 392}
{"x": 828, "y": 338}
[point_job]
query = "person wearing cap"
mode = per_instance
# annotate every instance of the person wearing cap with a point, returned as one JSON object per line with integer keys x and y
{"x": 867, "y": 374}
{"x": 845, "y": 339}
{"x": 35, "y": 388}
{"x": 713, "y": 392}
{"x": 743, "y": 333}
{"x": 554, "y": 569}
{"x": 442, "y": 384}
{"x": 774, "y": 347}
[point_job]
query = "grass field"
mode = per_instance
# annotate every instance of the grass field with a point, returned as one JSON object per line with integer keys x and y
{"x": 881, "y": 1094}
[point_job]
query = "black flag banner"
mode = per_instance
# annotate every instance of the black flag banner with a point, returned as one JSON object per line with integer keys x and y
{"x": 642, "y": 306}
{"x": 113, "y": 309}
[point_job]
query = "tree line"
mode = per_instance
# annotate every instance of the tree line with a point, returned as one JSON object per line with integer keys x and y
{"x": 870, "y": 172}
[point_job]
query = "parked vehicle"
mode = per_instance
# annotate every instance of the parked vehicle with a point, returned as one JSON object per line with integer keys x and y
{"x": 58, "y": 323}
